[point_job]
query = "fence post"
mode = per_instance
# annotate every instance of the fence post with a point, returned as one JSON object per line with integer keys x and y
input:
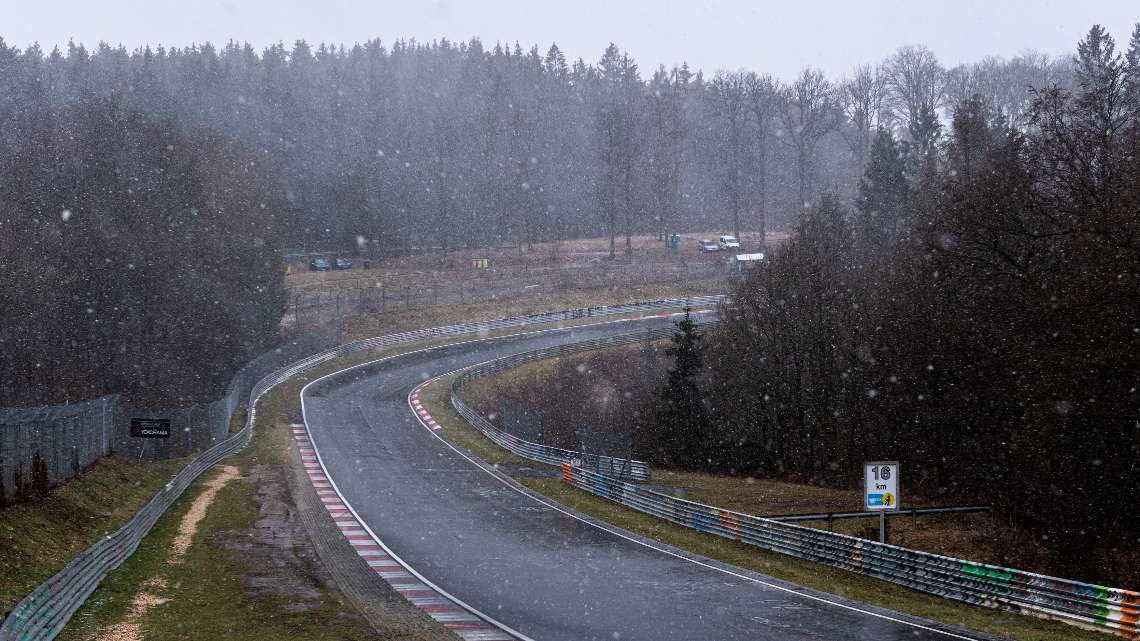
{"x": 105, "y": 443}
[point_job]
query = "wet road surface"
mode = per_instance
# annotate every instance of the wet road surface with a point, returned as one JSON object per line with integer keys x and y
{"x": 535, "y": 568}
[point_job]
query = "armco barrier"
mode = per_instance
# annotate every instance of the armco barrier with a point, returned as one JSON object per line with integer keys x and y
{"x": 43, "y": 613}
{"x": 622, "y": 468}
{"x": 1093, "y": 606}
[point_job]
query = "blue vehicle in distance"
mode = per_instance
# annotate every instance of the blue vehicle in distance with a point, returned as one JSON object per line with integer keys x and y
{"x": 319, "y": 265}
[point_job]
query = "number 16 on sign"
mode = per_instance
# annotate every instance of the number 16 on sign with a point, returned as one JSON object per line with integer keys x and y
{"x": 881, "y": 491}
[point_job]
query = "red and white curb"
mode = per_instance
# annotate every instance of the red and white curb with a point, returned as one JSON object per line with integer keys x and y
{"x": 437, "y": 605}
{"x": 423, "y": 413}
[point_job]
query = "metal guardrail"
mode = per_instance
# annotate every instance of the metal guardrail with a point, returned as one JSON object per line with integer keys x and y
{"x": 1083, "y": 604}
{"x": 619, "y": 467}
{"x": 41, "y": 615}
{"x": 913, "y": 512}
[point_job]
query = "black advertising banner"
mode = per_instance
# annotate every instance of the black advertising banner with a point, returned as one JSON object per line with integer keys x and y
{"x": 150, "y": 428}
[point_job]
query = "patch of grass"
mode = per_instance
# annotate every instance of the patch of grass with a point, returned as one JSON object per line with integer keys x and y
{"x": 207, "y": 598}
{"x": 979, "y": 537}
{"x": 112, "y": 599}
{"x": 805, "y": 573}
{"x": 209, "y": 581}
{"x": 436, "y": 399}
{"x": 400, "y": 319}
{"x": 38, "y": 538}
{"x": 758, "y": 496}
{"x": 485, "y": 392}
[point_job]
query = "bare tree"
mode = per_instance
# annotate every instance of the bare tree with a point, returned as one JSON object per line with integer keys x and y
{"x": 731, "y": 106}
{"x": 763, "y": 99}
{"x": 667, "y": 135}
{"x": 1005, "y": 86}
{"x": 617, "y": 114}
{"x": 916, "y": 82}
{"x": 862, "y": 99}
{"x": 810, "y": 110}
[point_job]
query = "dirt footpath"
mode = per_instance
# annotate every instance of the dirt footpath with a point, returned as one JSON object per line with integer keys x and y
{"x": 278, "y": 555}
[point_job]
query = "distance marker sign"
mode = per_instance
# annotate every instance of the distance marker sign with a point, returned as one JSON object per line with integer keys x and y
{"x": 881, "y": 485}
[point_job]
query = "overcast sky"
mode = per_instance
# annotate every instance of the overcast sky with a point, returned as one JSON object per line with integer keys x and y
{"x": 776, "y": 37}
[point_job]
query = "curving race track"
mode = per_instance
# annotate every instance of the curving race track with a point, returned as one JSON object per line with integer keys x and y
{"x": 534, "y": 568}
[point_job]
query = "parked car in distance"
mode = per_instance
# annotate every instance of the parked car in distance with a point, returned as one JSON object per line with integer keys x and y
{"x": 319, "y": 265}
{"x": 729, "y": 242}
{"x": 709, "y": 246}
{"x": 342, "y": 263}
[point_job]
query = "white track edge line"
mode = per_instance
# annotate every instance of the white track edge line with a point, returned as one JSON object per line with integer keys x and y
{"x": 598, "y": 525}
{"x": 320, "y": 459}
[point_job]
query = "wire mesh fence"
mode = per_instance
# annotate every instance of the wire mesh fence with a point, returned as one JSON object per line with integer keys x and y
{"x": 41, "y": 447}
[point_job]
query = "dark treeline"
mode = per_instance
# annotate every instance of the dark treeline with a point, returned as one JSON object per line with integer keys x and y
{"x": 457, "y": 145}
{"x": 974, "y": 314}
{"x": 144, "y": 195}
{"x": 137, "y": 259}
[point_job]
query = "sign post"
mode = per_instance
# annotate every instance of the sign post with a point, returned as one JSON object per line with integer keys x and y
{"x": 881, "y": 491}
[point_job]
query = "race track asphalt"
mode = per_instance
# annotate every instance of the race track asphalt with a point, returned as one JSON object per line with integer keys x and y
{"x": 536, "y": 568}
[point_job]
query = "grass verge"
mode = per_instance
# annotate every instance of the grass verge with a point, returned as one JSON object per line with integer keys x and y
{"x": 401, "y": 318}
{"x": 204, "y": 596}
{"x": 38, "y": 538}
{"x": 436, "y": 398}
{"x": 211, "y": 577}
{"x": 981, "y": 537}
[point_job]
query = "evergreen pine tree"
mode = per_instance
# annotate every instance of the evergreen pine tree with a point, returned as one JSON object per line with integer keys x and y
{"x": 882, "y": 201}
{"x": 682, "y": 417}
{"x": 1132, "y": 59}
